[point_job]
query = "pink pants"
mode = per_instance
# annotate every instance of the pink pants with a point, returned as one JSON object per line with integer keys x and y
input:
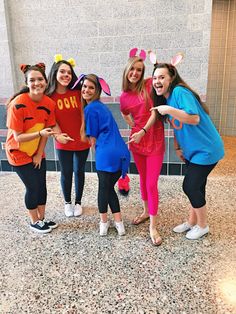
{"x": 149, "y": 168}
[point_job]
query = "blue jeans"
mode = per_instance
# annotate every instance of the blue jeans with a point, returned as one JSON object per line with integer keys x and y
{"x": 72, "y": 161}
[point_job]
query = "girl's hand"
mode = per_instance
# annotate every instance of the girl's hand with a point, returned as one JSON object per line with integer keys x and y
{"x": 63, "y": 138}
{"x": 92, "y": 141}
{"x": 179, "y": 153}
{"x": 46, "y": 132}
{"x": 163, "y": 109}
{"x": 37, "y": 159}
{"x": 136, "y": 137}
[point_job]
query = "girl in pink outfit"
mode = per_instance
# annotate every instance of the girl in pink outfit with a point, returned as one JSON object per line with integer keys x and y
{"x": 146, "y": 139}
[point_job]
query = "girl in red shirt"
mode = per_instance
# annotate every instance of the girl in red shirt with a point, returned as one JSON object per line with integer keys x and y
{"x": 73, "y": 154}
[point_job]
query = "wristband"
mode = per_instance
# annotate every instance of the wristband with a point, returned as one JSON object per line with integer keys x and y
{"x": 144, "y": 130}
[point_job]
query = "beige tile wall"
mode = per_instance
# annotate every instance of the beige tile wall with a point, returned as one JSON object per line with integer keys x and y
{"x": 221, "y": 89}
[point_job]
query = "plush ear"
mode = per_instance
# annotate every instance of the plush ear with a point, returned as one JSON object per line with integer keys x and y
{"x": 152, "y": 57}
{"x": 24, "y": 67}
{"x": 143, "y": 54}
{"x": 105, "y": 87}
{"x": 72, "y": 62}
{"x": 78, "y": 80}
{"x": 177, "y": 59}
{"x": 57, "y": 58}
{"x": 133, "y": 52}
{"x": 41, "y": 65}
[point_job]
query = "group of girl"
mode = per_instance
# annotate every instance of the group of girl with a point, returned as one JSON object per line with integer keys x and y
{"x": 69, "y": 109}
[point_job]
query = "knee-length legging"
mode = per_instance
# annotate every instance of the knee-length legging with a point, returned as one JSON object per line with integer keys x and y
{"x": 149, "y": 168}
{"x": 72, "y": 161}
{"x": 194, "y": 184}
{"x": 34, "y": 180}
{"x": 106, "y": 192}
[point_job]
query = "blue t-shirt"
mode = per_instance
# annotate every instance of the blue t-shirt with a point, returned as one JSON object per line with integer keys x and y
{"x": 201, "y": 143}
{"x": 112, "y": 153}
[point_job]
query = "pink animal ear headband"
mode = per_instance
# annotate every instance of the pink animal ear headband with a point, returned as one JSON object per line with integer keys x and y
{"x": 174, "y": 60}
{"x": 133, "y": 53}
{"x": 105, "y": 87}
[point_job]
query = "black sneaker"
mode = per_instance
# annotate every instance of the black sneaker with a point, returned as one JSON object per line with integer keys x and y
{"x": 50, "y": 224}
{"x": 40, "y": 227}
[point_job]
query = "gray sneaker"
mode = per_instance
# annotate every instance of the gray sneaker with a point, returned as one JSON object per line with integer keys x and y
{"x": 183, "y": 227}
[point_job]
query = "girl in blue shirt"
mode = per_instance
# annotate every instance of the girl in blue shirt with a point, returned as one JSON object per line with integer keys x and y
{"x": 196, "y": 141}
{"x": 111, "y": 153}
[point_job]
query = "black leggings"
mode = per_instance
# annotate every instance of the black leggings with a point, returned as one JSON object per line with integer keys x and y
{"x": 194, "y": 184}
{"x": 72, "y": 161}
{"x": 34, "y": 180}
{"x": 106, "y": 192}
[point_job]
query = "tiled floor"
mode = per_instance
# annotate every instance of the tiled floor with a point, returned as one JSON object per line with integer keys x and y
{"x": 72, "y": 270}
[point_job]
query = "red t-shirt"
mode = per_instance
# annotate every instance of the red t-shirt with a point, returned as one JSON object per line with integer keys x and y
{"x": 69, "y": 117}
{"x": 27, "y": 116}
{"x": 153, "y": 142}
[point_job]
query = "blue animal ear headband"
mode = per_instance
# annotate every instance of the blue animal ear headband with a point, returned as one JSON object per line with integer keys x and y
{"x": 105, "y": 87}
{"x": 174, "y": 60}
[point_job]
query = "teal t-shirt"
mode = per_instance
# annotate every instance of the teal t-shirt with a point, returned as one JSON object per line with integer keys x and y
{"x": 201, "y": 143}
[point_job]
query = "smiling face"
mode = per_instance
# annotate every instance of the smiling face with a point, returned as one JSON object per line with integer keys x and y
{"x": 64, "y": 75}
{"x": 161, "y": 81}
{"x": 36, "y": 83}
{"x": 88, "y": 91}
{"x": 135, "y": 73}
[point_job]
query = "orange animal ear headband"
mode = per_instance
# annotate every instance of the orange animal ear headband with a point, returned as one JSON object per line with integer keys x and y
{"x": 58, "y": 58}
{"x": 174, "y": 60}
{"x": 25, "y": 67}
{"x": 133, "y": 53}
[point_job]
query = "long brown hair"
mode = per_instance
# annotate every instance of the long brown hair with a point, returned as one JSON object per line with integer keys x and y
{"x": 25, "y": 88}
{"x": 98, "y": 90}
{"x": 176, "y": 81}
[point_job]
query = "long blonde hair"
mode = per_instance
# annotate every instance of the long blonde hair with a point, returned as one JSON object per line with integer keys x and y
{"x": 140, "y": 86}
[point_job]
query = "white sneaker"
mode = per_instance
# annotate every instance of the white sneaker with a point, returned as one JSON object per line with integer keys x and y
{"x": 120, "y": 227}
{"x": 78, "y": 210}
{"x": 183, "y": 227}
{"x": 104, "y": 228}
{"x": 197, "y": 232}
{"x": 69, "y": 212}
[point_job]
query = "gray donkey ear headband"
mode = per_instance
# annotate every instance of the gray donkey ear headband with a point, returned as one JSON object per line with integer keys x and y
{"x": 174, "y": 60}
{"x": 105, "y": 87}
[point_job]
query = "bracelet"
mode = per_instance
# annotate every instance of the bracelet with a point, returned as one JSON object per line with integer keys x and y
{"x": 40, "y": 134}
{"x": 144, "y": 130}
